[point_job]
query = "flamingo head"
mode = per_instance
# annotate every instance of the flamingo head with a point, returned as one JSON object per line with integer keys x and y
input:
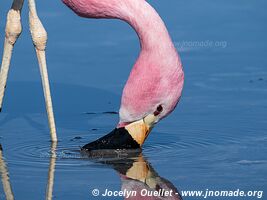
{"x": 139, "y": 130}
{"x": 130, "y": 135}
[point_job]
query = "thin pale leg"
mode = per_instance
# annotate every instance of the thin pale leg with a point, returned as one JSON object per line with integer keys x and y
{"x": 5, "y": 178}
{"x": 13, "y": 31}
{"x": 39, "y": 37}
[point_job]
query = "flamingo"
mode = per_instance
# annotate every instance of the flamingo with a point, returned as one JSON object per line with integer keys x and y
{"x": 155, "y": 83}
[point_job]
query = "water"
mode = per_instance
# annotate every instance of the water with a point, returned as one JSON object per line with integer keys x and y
{"x": 215, "y": 139}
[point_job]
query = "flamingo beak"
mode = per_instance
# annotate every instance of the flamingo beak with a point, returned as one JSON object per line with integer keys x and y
{"x": 139, "y": 130}
{"x": 131, "y": 136}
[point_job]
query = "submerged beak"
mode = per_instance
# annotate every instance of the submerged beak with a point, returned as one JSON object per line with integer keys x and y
{"x": 131, "y": 136}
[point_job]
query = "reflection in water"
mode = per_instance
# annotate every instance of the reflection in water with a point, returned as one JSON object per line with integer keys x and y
{"x": 50, "y": 181}
{"x": 139, "y": 179}
{"x": 51, "y": 172}
{"x": 5, "y": 177}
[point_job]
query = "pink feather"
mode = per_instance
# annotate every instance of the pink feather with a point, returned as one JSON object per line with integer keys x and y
{"x": 157, "y": 77}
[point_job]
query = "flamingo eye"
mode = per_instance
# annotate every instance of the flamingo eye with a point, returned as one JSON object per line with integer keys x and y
{"x": 159, "y": 108}
{"x": 158, "y": 111}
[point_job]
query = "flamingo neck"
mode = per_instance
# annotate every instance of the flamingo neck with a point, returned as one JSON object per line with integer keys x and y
{"x": 149, "y": 27}
{"x": 139, "y": 14}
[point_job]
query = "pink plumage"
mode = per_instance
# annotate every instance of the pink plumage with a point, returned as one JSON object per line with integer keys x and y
{"x": 157, "y": 77}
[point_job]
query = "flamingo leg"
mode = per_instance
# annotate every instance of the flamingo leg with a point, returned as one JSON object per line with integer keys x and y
{"x": 13, "y": 31}
{"x": 39, "y": 37}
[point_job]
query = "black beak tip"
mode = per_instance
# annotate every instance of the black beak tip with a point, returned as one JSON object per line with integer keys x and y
{"x": 119, "y": 138}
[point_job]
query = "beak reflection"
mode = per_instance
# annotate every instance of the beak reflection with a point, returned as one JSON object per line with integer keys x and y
{"x": 139, "y": 179}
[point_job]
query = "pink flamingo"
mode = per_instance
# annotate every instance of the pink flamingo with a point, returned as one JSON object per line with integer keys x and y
{"x": 156, "y": 81}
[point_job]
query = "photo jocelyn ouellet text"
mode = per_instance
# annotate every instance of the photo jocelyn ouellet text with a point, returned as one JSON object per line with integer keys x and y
{"x": 257, "y": 194}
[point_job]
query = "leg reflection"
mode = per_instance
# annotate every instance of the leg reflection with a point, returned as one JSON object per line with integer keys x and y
{"x": 51, "y": 172}
{"x": 5, "y": 177}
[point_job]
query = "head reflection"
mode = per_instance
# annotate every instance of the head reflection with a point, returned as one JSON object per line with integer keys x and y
{"x": 139, "y": 180}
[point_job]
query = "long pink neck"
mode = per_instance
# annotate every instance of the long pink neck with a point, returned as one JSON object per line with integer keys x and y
{"x": 139, "y": 14}
{"x": 149, "y": 27}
